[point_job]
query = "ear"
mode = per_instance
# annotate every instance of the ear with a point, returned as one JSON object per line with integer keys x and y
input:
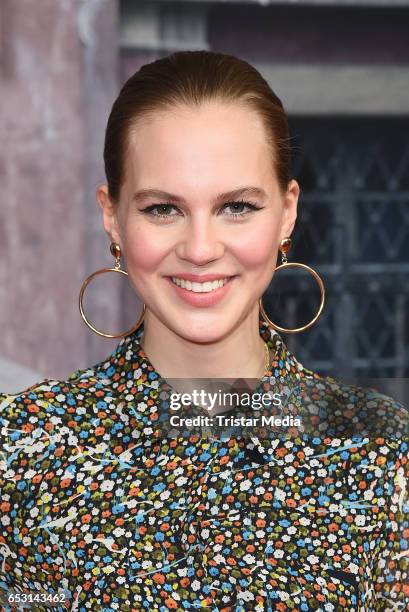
{"x": 109, "y": 213}
{"x": 290, "y": 209}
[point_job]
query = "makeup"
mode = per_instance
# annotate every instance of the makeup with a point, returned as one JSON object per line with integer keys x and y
{"x": 202, "y": 299}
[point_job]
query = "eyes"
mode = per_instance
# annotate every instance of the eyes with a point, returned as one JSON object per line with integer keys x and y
{"x": 239, "y": 209}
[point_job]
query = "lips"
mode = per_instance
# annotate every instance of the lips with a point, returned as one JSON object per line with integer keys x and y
{"x": 201, "y": 278}
{"x": 201, "y": 294}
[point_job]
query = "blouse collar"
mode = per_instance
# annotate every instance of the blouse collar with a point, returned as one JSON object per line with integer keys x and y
{"x": 129, "y": 358}
{"x": 144, "y": 395}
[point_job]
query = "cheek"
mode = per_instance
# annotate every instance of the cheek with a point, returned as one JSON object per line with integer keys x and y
{"x": 256, "y": 250}
{"x": 142, "y": 252}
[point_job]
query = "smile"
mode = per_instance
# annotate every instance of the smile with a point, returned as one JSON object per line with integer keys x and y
{"x": 196, "y": 287}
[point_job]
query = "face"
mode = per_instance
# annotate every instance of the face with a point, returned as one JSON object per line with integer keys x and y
{"x": 198, "y": 259}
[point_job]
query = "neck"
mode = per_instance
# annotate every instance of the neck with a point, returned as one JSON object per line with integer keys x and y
{"x": 240, "y": 354}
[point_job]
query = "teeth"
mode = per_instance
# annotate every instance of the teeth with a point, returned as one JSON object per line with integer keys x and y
{"x": 199, "y": 287}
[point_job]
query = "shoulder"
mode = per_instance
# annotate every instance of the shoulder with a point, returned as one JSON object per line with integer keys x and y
{"x": 357, "y": 407}
{"x": 52, "y": 419}
{"x": 51, "y": 403}
{"x": 365, "y": 407}
{"x": 369, "y": 409}
{"x": 343, "y": 410}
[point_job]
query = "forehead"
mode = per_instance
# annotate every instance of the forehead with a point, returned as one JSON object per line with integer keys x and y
{"x": 192, "y": 148}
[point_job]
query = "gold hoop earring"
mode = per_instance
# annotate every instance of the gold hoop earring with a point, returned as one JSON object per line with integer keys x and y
{"x": 284, "y": 248}
{"x": 116, "y": 252}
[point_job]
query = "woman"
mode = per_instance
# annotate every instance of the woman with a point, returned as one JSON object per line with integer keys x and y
{"x": 104, "y": 508}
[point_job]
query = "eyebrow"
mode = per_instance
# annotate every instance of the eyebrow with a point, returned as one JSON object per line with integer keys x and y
{"x": 143, "y": 194}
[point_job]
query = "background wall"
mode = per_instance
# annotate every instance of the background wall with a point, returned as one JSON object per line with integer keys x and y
{"x": 58, "y": 77}
{"x": 341, "y": 70}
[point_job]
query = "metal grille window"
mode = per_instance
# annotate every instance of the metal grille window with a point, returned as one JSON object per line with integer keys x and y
{"x": 353, "y": 228}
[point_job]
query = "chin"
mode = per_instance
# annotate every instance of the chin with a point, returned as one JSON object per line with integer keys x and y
{"x": 203, "y": 329}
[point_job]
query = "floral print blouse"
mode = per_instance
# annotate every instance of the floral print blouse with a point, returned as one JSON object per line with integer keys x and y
{"x": 98, "y": 512}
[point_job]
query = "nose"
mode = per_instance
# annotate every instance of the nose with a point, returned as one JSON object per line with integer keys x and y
{"x": 200, "y": 243}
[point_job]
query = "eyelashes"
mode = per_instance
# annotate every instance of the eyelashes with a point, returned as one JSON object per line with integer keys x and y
{"x": 153, "y": 209}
